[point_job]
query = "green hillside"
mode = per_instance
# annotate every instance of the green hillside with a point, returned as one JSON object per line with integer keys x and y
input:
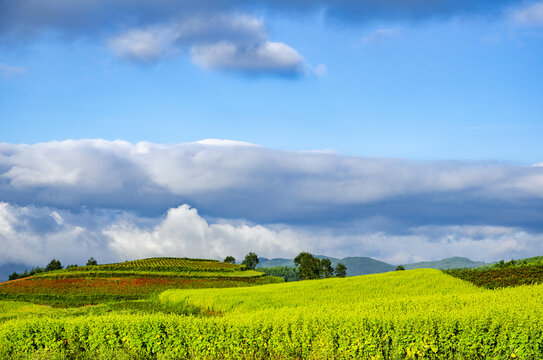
{"x": 130, "y": 280}
{"x": 455, "y": 262}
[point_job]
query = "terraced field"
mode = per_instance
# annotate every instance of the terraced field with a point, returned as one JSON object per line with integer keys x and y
{"x": 128, "y": 281}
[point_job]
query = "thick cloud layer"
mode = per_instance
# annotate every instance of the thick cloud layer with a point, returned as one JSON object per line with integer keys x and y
{"x": 118, "y": 201}
{"x": 231, "y": 180}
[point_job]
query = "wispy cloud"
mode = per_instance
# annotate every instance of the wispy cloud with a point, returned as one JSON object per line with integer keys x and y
{"x": 530, "y": 14}
{"x": 8, "y": 70}
{"x": 379, "y": 36}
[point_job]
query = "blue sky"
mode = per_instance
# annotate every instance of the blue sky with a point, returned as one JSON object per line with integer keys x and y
{"x": 447, "y": 91}
{"x": 457, "y": 87}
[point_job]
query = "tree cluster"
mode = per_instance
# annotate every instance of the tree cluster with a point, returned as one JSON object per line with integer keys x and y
{"x": 286, "y": 272}
{"x": 310, "y": 267}
{"x": 250, "y": 261}
{"x": 53, "y": 265}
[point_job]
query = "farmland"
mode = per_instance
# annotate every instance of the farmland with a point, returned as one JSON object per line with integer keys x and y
{"x": 131, "y": 280}
{"x": 397, "y": 315}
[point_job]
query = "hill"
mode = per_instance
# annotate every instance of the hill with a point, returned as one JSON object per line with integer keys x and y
{"x": 128, "y": 281}
{"x": 455, "y": 262}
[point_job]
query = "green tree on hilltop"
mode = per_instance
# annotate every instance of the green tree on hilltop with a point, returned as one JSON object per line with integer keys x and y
{"x": 251, "y": 260}
{"x": 230, "y": 260}
{"x": 53, "y": 265}
{"x": 326, "y": 269}
{"x": 309, "y": 266}
{"x": 341, "y": 270}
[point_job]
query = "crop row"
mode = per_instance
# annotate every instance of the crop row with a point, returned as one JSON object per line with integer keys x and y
{"x": 148, "y": 273}
{"x": 164, "y": 264}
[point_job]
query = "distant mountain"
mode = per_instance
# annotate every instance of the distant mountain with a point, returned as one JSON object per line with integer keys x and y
{"x": 363, "y": 265}
{"x": 268, "y": 263}
{"x": 448, "y": 263}
{"x": 355, "y": 265}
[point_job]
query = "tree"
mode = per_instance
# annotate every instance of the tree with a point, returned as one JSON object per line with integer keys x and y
{"x": 399, "y": 268}
{"x": 326, "y": 269}
{"x": 92, "y": 261}
{"x": 53, "y": 265}
{"x": 251, "y": 260}
{"x": 309, "y": 266}
{"x": 14, "y": 276}
{"x": 230, "y": 259}
{"x": 341, "y": 270}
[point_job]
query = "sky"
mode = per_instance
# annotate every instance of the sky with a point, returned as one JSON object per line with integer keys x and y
{"x": 400, "y": 130}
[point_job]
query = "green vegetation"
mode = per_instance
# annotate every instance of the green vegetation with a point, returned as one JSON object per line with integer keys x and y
{"x": 497, "y": 277}
{"x": 172, "y": 308}
{"x": 285, "y": 272}
{"x": 230, "y": 260}
{"x": 53, "y": 265}
{"x": 397, "y": 315}
{"x": 341, "y": 270}
{"x": 250, "y": 261}
{"x": 355, "y": 265}
{"x": 94, "y": 284}
{"x": 310, "y": 267}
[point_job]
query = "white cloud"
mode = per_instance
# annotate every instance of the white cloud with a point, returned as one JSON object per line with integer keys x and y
{"x": 145, "y": 45}
{"x": 223, "y": 42}
{"x": 8, "y": 70}
{"x": 252, "y": 58}
{"x": 99, "y": 173}
{"x": 34, "y": 235}
{"x": 530, "y": 14}
{"x": 379, "y": 36}
{"x": 185, "y": 233}
{"x": 224, "y": 142}
{"x": 320, "y": 70}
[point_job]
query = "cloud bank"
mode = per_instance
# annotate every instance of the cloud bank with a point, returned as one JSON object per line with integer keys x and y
{"x": 213, "y": 198}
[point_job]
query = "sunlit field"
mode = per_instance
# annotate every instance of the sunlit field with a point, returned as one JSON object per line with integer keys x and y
{"x": 404, "y": 314}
